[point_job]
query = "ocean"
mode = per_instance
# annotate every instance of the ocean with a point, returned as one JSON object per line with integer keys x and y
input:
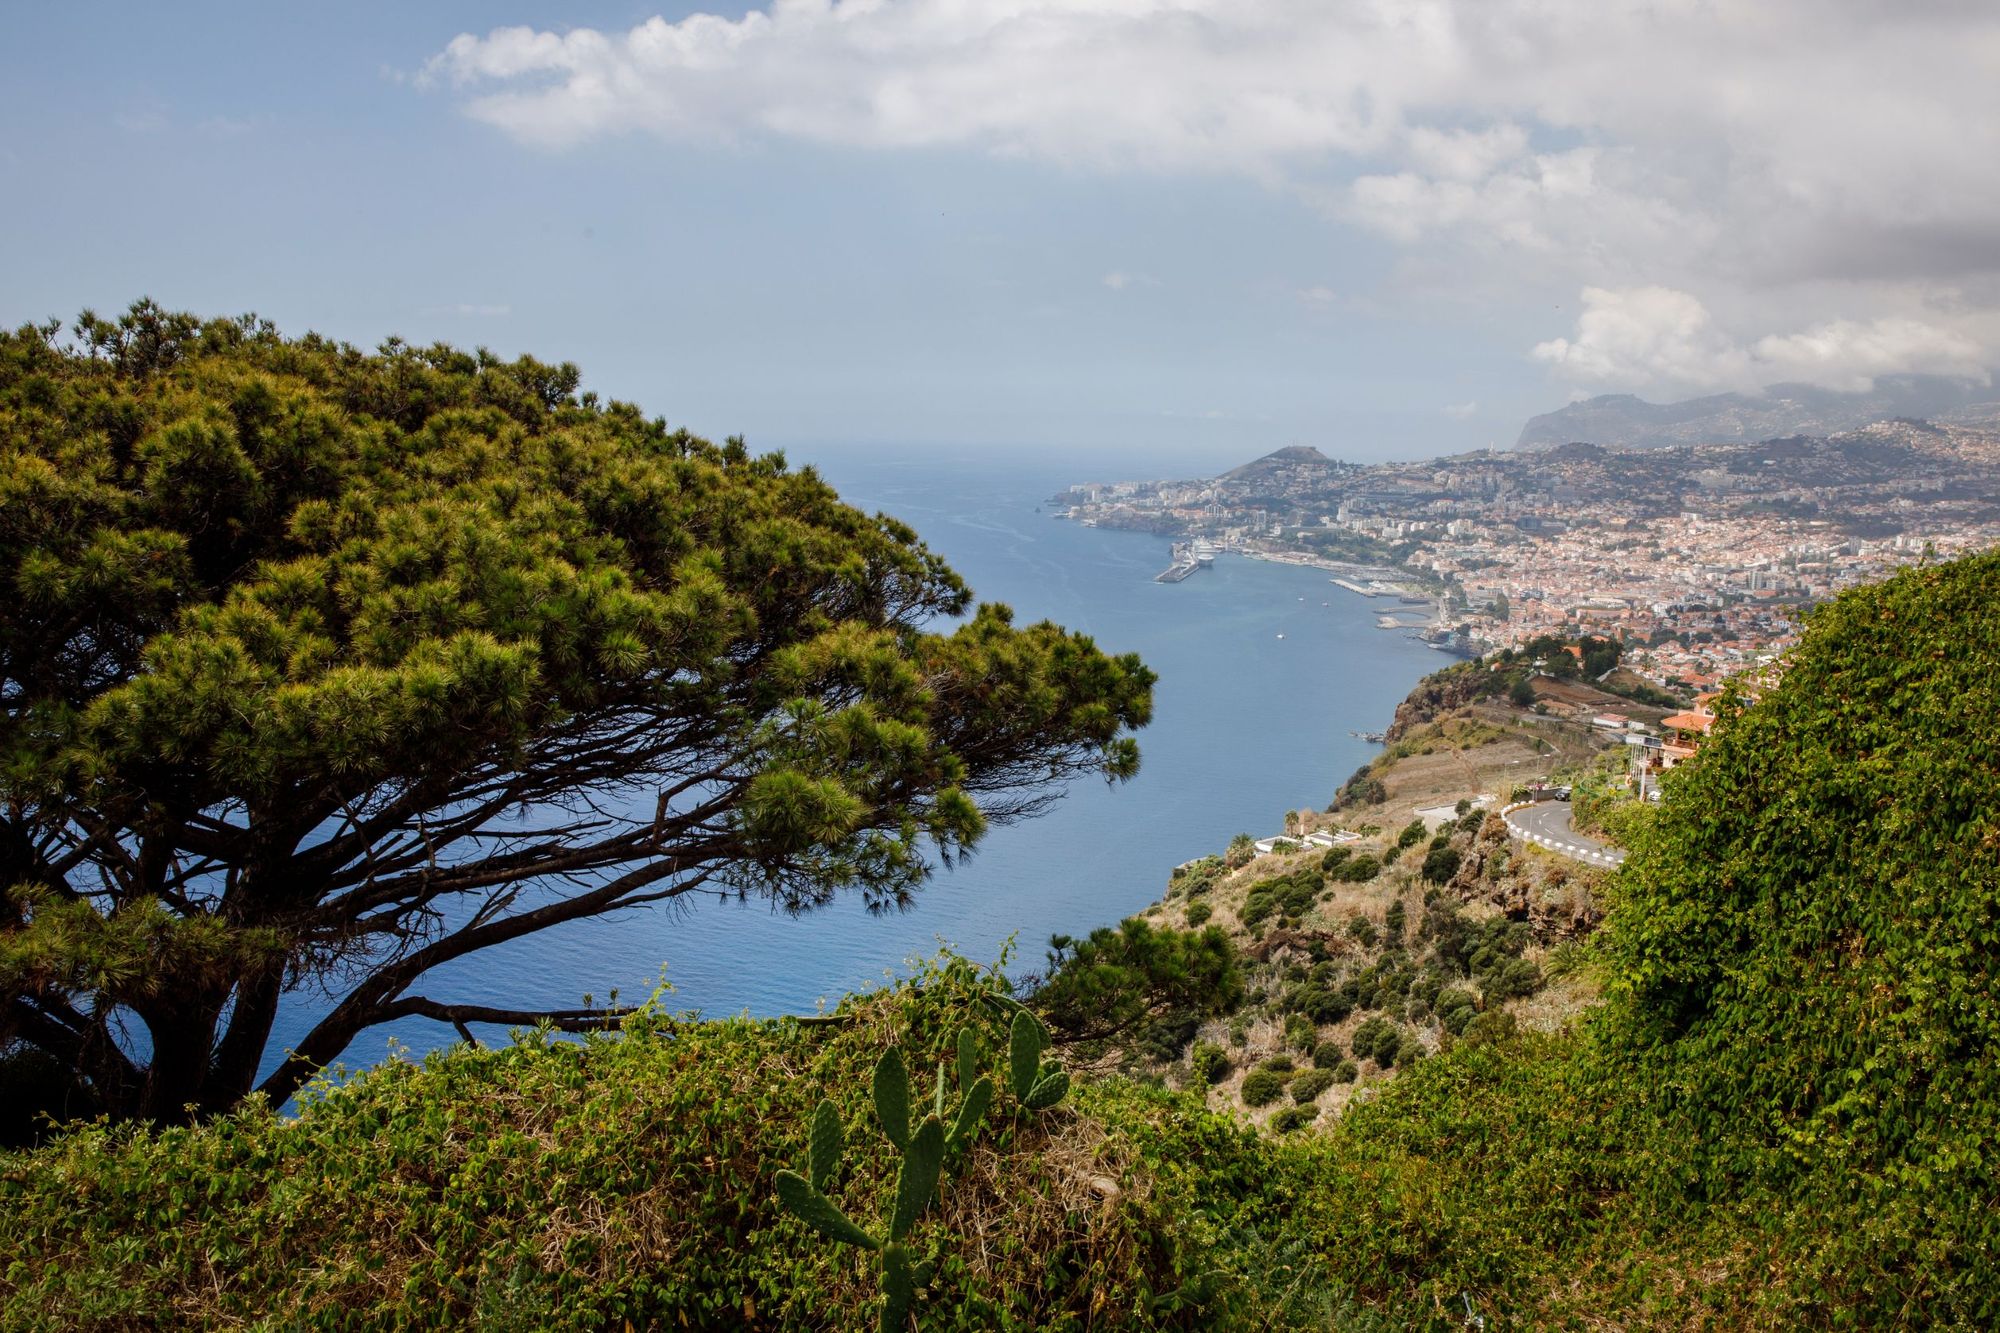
{"x": 1265, "y": 671}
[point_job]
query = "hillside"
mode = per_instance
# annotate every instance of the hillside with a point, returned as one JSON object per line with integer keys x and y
{"x": 1781, "y": 410}
{"x": 1782, "y": 1113}
{"x": 1278, "y": 460}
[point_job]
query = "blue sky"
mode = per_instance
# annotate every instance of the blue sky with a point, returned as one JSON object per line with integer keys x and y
{"x": 1198, "y": 229}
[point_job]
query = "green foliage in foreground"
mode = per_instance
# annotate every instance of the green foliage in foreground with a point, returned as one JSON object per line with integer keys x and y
{"x": 581, "y": 1184}
{"x": 1786, "y": 1117}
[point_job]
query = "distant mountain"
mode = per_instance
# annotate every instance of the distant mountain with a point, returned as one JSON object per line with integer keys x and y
{"x": 1781, "y": 410}
{"x": 1298, "y": 455}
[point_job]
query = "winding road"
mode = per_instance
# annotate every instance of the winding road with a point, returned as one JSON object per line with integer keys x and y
{"x": 1546, "y": 824}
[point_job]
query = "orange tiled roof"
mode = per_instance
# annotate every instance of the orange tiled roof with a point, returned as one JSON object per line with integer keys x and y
{"x": 1700, "y": 722}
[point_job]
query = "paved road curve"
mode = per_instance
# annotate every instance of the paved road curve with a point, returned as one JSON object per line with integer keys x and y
{"x": 1546, "y": 823}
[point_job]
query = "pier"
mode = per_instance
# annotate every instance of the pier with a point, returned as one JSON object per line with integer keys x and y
{"x": 1187, "y": 559}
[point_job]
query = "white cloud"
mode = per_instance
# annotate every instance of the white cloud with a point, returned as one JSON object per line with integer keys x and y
{"x": 1656, "y": 337}
{"x": 1828, "y": 159}
{"x": 1843, "y": 354}
{"x": 1118, "y": 280}
{"x": 1461, "y": 411}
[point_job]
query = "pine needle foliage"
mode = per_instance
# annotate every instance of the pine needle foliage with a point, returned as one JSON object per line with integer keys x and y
{"x": 323, "y": 665}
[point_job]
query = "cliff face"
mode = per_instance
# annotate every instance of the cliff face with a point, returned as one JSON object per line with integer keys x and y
{"x": 1439, "y": 693}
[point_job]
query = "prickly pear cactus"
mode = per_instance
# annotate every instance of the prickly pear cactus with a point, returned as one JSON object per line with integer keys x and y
{"x": 1036, "y": 1085}
{"x": 892, "y": 1098}
{"x": 826, "y": 1144}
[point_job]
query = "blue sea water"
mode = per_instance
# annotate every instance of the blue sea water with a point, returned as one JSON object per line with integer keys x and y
{"x": 1264, "y": 671}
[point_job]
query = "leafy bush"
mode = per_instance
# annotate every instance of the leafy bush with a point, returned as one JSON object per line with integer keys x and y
{"x": 1375, "y": 1040}
{"x": 1412, "y": 834}
{"x": 1455, "y": 1009}
{"x": 1292, "y": 895}
{"x": 1346, "y": 1072}
{"x": 1277, "y": 1064}
{"x": 574, "y": 1185}
{"x": 1198, "y": 913}
{"x": 1300, "y": 1033}
{"x": 1262, "y": 1086}
{"x": 1440, "y": 864}
{"x": 1113, "y": 981}
{"x": 1311, "y": 1084}
{"x": 1327, "y": 1055}
{"x": 1358, "y": 870}
{"x": 1318, "y": 1002}
{"x": 1197, "y": 877}
{"x": 1293, "y": 1118}
{"x": 1510, "y": 978}
{"x": 1805, "y": 934}
{"x": 1208, "y": 1063}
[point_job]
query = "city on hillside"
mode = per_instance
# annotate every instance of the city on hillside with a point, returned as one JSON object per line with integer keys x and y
{"x": 1700, "y": 559}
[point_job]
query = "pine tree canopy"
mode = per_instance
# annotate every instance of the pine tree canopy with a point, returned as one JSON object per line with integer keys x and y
{"x": 326, "y": 665}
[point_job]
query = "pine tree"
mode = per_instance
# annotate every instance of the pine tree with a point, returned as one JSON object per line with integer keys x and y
{"x": 333, "y": 666}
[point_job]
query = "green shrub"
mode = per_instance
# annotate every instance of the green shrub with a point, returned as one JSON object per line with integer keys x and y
{"x": 1346, "y": 1072}
{"x": 1359, "y": 870}
{"x": 1262, "y": 1086}
{"x": 1510, "y": 978}
{"x": 1300, "y": 1033}
{"x": 1198, "y": 913}
{"x": 1293, "y": 1118}
{"x": 1112, "y": 981}
{"x": 1327, "y": 1055}
{"x": 1440, "y": 864}
{"x": 1311, "y": 1084}
{"x": 1376, "y": 1039}
{"x": 1408, "y": 1051}
{"x": 1495, "y": 1025}
{"x": 1412, "y": 834}
{"x": 1292, "y": 895}
{"x": 458, "y": 1173}
{"x": 1318, "y": 1002}
{"x": 1208, "y": 1064}
{"x": 1277, "y": 1064}
{"x": 1455, "y": 1009}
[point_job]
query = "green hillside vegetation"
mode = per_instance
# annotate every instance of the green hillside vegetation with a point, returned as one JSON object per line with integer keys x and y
{"x": 1783, "y": 1114}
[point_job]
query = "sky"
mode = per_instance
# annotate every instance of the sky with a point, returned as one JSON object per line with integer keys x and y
{"x": 1188, "y": 230}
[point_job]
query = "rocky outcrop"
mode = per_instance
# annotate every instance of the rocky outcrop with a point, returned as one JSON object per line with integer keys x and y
{"x": 1548, "y": 893}
{"x": 1439, "y": 693}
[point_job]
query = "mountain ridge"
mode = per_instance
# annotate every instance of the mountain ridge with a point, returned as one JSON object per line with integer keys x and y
{"x": 1780, "y": 410}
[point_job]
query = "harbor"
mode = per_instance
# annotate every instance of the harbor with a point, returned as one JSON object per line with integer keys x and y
{"x": 1187, "y": 558}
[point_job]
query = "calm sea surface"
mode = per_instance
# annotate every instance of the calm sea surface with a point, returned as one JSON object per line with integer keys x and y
{"x": 1264, "y": 671}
